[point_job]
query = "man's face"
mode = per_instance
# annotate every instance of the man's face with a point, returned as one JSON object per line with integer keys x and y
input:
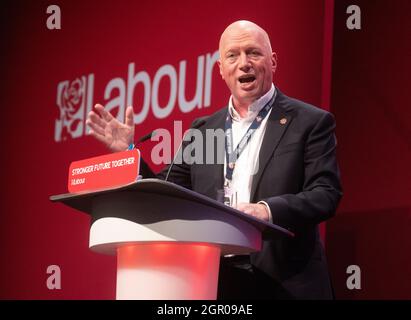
{"x": 246, "y": 64}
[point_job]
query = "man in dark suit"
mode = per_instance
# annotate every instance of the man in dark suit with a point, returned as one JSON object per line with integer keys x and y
{"x": 280, "y": 161}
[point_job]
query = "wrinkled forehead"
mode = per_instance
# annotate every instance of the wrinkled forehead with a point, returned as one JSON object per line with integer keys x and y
{"x": 242, "y": 38}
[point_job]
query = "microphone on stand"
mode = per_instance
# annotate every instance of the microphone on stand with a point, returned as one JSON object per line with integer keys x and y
{"x": 196, "y": 124}
{"x": 147, "y": 136}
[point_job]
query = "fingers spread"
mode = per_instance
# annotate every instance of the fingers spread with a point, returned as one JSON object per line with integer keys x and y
{"x": 104, "y": 113}
{"x": 95, "y": 127}
{"x": 95, "y": 119}
{"x": 129, "y": 116}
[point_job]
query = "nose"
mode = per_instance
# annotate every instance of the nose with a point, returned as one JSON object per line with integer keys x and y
{"x": 244, "y": 63}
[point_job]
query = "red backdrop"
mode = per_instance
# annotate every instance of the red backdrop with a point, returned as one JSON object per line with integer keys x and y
{"x": 370, "y": 99}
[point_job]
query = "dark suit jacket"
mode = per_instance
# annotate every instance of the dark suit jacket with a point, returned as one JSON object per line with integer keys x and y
{"x": 298, "y": 177}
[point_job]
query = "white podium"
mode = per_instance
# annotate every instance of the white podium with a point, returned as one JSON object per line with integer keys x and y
{"x": 168, "y": 239}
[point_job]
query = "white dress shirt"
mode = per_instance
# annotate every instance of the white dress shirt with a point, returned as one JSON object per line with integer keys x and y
{"x": 247, "y": 163}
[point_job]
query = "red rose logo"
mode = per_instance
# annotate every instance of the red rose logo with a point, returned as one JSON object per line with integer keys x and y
{"x": 71, "y": 101}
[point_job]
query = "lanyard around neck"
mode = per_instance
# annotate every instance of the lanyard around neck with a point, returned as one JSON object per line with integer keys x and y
{"x": 233, "y": 155}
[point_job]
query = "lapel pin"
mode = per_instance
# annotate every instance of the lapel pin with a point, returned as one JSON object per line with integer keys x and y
{"x": 283, "y": 121}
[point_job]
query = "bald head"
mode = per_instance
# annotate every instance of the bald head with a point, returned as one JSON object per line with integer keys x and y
{"x": 238, "y": 28}
{"x": 247, "y": 63}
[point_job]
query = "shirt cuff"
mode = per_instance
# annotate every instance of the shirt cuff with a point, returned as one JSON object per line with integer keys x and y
{"x": 270, "y": 216}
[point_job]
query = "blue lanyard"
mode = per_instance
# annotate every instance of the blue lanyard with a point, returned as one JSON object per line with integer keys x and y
{"x": 232, "y": 156}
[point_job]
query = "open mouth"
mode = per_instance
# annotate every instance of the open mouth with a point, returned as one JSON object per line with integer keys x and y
{"x": 246, "y": 78}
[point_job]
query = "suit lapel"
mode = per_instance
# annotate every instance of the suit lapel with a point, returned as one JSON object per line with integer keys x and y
{"x": 277, "y": 124}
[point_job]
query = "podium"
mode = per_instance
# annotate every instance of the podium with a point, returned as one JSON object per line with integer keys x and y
{"x": 168, "y": 239}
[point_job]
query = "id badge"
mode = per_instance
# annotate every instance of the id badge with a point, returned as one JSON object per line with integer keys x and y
{"x": 230, "y": 196}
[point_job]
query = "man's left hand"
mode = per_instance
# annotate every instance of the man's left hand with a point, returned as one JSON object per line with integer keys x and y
{"x": 257, "y": 210}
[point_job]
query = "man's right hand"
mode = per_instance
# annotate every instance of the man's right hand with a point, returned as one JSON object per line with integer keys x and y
{"x": 115, "y": 135}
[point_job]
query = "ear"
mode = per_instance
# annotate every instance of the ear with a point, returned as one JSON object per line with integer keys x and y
{"x": 274, "y": 61}
{"x": 221, "y": 68}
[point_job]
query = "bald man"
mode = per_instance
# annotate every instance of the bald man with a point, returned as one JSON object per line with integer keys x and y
{"x": 280, "y": 162}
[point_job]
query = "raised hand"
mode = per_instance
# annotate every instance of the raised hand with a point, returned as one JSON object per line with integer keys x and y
{"x": 115, "y": 135}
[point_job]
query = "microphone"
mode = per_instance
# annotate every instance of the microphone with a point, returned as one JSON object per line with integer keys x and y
{"x": 147, "y": 136}
{"x": 196, "y": 124}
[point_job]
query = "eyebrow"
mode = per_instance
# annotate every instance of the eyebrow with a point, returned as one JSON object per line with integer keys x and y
{"x": 247, "y": 49}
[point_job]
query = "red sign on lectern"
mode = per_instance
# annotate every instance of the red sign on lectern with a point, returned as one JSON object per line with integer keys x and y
{"x": 107, "y": 171}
